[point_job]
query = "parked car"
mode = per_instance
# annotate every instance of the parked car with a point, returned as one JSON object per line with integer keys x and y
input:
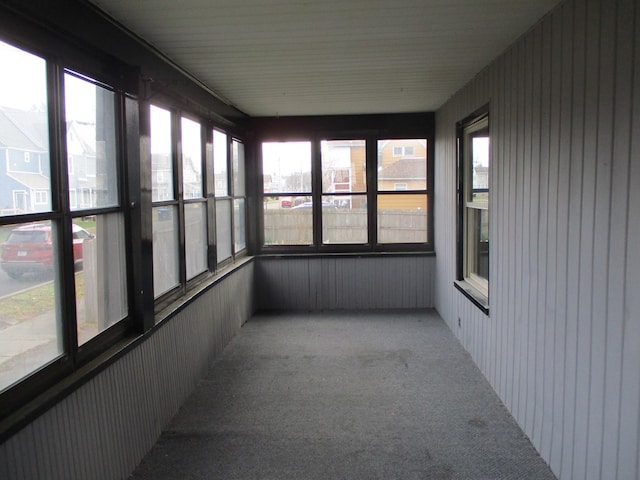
{"x": 29, "y": 249}
{"x": 286, "y": 202}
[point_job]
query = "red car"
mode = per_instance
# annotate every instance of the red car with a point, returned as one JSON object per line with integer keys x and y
{"x": 29, "y": 249}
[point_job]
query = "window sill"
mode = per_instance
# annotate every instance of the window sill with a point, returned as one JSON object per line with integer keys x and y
{"x": 478, "y": 298}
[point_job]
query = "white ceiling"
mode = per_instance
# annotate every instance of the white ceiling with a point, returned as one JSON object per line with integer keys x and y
{"x": 319, "y": 57}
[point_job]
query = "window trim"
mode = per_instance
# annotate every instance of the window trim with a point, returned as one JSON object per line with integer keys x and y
{"x": 474, "y": 287}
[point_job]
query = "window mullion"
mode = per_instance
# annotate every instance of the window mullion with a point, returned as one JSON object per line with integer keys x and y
{"x": 316, "y": 191}
{"x": 60, "y": 184}
{"x": 176, "y": 131}
{"x": 371, "y": 163}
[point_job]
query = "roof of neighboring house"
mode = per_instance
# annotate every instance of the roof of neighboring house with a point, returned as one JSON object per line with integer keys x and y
{"x": 405, "y": 169}
{"x": 81, "y": 138}
{"x": 33, "y": 181}
{"x": 24, "y": 130}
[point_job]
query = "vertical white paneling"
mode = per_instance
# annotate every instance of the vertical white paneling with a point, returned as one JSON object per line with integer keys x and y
{"x": 617, "y": 252}
{"x": 602, "y": 214}
{"x": 573, "y": 255}
{"x": 103, "y": 429}
{"x": 629, "y": 439}
{"x": 344, "y": 282}
{"x": 561, "y": 343}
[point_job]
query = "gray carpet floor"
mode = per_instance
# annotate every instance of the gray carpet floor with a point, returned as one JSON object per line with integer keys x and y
{"x": 348, "y": 395}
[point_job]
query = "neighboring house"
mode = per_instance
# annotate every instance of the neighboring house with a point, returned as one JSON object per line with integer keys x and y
{"x": 161, "y": 177}
{"x": 24, "y": 170}
{"x": 25, "y": 176}
{"x": 343, "y": 170}
{"x": 81, "y": 158}
{"x": 402, "y": 165}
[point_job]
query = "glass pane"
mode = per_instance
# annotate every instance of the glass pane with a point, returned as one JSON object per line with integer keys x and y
{"x": 402, "y": 218}
{"x": 166, "y": 273}
{"x": 237, "y": 153}
{"x": 479, "y": 250}
{"x": 288, "y": 221}
{"x": 91, "y": 144}
{"x": 99, "y": 252}
{"x": 402, "y": 165}
{"x": 24, "y": 128}
{"x": 161, "y": 163}
{"x": 220, "y": 173}
{"x": 30, "y": 322}
{"x": 191, "y": 159}
{"x": 480, "y": 170}
{"x": 195, "y": 237}
{"x": 344, "y": 166}
{"x": 223, "y": 230}
{"x": 344, "y": 219}
{"x": 286, "y": 167}
{"x": 239, "y": 240}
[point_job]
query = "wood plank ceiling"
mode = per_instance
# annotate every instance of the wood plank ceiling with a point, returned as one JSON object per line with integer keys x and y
{"x": 311, "y": 57}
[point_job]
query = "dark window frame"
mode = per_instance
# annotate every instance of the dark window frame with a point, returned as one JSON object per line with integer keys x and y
{"x": 70, "y": 60}
{"x": 370, "y": 128}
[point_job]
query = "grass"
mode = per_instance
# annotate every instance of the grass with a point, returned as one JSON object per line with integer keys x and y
{"x": 29, "y": 304}
{"x": 34, "y": 301}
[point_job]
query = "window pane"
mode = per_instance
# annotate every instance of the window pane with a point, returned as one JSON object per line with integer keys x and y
{"x": 30, "y": 333}
{"x": 286, "y": 167}
{"x": 191, "y": 159}
{"x": 480, "y": 170}
{"x": 161, "y": 164}
{"x": 99, "y": 252}
{"x": 223, "y": 230}
{"x": 288, "y": 221}
{"x": 402, "y": 218}
{"x": 238, "y": 167}
{"x": 479, "y": 236}
{"x": 344, "y": 166}
{"x": 344, "y": 219}
{"x": 166, "y": 273}
{"x": 402, "y": 165}
{"x": 195, "y": 237}
{"x": 239, "y": 224}
{"x": 91, "y": 143}
{"x": 220, "y": 173}
{"x": 24, "y": 133}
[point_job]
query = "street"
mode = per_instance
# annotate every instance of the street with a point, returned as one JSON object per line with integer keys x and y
{"x": 9, "y": 285}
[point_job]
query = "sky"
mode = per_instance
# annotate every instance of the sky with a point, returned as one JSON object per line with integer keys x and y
{"x": 23, "y": 85}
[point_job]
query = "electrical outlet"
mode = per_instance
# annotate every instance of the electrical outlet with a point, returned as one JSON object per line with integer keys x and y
{"x": 459, "y": 322}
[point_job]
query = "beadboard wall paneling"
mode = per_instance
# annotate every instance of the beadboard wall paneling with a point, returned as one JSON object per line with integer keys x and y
{"x": 104, "y": 429}
{"x": 344, "y": 282}
{"x": 560, "y": 345}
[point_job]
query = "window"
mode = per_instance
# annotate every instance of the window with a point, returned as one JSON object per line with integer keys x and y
{"x": 474, "y": 174}
{"x": 239, "y": 196}
{"x": 166, "y": 266}
{"x": 344, "y": 191}
{"x": 287, "y": 200}
{"x": 403, "y": 151}
{"x": 98, "y": 231}
{"x": 345, "y": 194}
{"x": 224, "y": 250}
{"x": 63, "y": 263}
{"x": 179, "y": 217}
{"x": 402, "y": 218}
